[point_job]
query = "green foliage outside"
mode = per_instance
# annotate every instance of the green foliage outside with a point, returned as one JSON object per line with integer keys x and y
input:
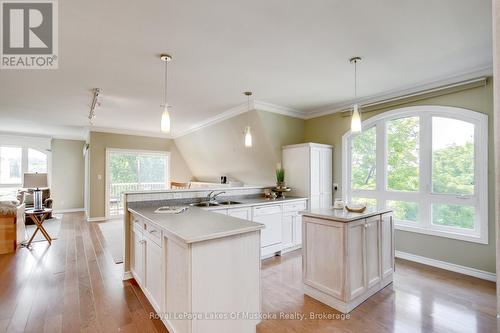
{"x": 452, "y": 171}
{"x": 123, "y": 168}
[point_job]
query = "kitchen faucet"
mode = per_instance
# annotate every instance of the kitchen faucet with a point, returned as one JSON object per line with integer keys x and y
{"x": 211, "y": 197}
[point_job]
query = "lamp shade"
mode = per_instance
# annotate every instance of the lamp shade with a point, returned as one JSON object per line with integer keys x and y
{"x": 355, "y": 120}
{"x": 165, "y": 120}
{"x": 35, "y": 180}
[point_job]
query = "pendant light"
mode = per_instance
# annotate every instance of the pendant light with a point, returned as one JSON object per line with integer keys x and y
{"x": 356, "y": 117}
{"x": 165, "y": 115}
{"x": 248, "y": 131}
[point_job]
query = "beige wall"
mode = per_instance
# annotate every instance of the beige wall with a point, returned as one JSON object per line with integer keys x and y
{"x": 218, "y": 149}
{"x": 329, "y": 130}
{"x": 179, "y": 171}
{"x": 67, "y": 176}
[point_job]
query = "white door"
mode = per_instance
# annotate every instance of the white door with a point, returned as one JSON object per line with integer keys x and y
{"x": 315, "y": 175}
{"x": 137, "y": 254}
{"x": 325, "y": 166}
{"x": 154, "y": 274}
{"x": 297, "y": 229}
{"x": 288, "y": 230}
{"x": 270, "y": 216}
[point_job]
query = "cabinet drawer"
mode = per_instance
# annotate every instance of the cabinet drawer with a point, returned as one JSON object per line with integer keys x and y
{"x": 266, "y": 210}
{"x": 153, "y": 233}
{"x": 294, "y": 206}
{"x": 136, "y": 221}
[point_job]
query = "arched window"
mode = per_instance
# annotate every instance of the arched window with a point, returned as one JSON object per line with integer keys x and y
{"x": 429, "y": 164}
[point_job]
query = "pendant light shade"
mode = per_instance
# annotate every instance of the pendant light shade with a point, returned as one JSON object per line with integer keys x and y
{"x": 356, "y": 115}
{"x": 165, "y": 115}
{"x": 248, "y": 137}
{"x": 165, "y": 120}
{"x": 355, "y": 120}
{"x": 248, "y": 132}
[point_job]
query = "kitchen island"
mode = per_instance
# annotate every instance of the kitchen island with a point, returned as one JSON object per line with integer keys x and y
{"x": 199, "y": 270}
{"x": 346, "y": 257}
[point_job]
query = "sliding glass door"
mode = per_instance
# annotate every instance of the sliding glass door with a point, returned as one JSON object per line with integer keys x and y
{"x": 129, "y": 170}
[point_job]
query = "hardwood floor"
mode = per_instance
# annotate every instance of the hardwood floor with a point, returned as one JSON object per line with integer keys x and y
{"x": 74, "y": 285}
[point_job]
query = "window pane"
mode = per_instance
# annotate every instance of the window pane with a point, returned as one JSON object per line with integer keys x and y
{"x": 403, "y": 154}
{"x": 404, "y": 210}
{"x": 37, "y": 161}
{"x": 364, "y": 201}
{"x": 453, "y": 215}
{"x": 452, "y": 156}
{"x": 10, "y": 165}
{"x": 364, "y": 160}
{"x": 123, "y": 169}
{"x": 152, "y": 172}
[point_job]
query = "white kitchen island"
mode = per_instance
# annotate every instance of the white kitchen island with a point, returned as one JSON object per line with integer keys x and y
{"x": 199, "y": 270}
{"x": 346, "y": 257}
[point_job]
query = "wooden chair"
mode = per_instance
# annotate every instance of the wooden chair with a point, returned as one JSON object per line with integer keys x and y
{"x": 179, "y": 185}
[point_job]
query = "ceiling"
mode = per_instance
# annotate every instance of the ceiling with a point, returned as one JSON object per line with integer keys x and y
{"x": 289, "y": 53}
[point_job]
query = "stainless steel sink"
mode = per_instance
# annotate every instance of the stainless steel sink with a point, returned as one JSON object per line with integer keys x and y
{"x": 229, "y": 202}
{"x": 205, "y": 204}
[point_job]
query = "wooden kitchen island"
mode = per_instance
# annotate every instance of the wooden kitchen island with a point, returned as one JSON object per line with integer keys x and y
{"x": 346, "y": 257}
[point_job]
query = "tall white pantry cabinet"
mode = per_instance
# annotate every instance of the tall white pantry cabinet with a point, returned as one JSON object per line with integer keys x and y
{"x": 308, "y": 171}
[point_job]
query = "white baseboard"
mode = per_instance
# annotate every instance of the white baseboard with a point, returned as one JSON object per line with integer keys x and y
{"x": 69, "y": 210}
{"x": 127, "y": 275}
{"x": 96, "y": 219}
{"x": 448, "y": 266}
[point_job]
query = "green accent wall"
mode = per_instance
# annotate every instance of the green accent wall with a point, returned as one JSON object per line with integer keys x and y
{"x": 329, "y": 129}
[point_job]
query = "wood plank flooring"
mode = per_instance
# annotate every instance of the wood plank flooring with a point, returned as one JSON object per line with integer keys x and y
{"x": 74, "y": 286}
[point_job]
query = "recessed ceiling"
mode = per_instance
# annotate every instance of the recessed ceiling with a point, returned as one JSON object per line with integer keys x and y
{"x": 294, "y": 54}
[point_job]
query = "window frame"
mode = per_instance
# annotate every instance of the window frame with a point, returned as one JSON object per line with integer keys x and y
{"x": 424, "y": 196}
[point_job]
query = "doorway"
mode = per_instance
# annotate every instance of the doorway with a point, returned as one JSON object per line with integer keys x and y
{"x": 133, "y": 170}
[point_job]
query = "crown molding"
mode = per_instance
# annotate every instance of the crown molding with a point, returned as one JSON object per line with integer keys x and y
{"x": 255, "y": 105}
{"x": 444, "y": 81}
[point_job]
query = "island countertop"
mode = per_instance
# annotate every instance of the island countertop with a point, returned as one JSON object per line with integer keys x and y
{"x": 342, "y": 215}
{"x": 196, "y": 224}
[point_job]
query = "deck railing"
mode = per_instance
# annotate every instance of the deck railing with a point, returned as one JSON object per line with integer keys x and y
{"x": 116, "y": 190}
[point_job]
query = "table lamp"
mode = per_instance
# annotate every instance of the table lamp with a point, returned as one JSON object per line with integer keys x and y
{"x": 35, "y": 181}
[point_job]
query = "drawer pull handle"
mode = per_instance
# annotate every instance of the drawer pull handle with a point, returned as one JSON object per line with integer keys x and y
{"x": 152, "y": 231}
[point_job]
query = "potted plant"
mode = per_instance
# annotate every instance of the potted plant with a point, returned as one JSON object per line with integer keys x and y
{"x": 280, "y": 177}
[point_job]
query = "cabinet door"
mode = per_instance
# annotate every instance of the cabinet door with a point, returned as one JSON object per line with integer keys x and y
{"x": 297, "y": 229}
{"x": 315, "y": 172}
{"x": 287, "y": 230}
{"x": 241, "y": 213}
{"x": 356, "y": 255}
{"x": 270, "y": 216}
{"x": 372, "y": 239}
{"x": 325, "y": 170}
{"x": 137, "y": 255}
{"x": 154, "y": 274}
{"x": 387, "y": 244}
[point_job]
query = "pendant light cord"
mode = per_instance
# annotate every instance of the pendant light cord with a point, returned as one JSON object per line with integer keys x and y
{"x": 355, "y": 80}
{"x": 166, "y": 75}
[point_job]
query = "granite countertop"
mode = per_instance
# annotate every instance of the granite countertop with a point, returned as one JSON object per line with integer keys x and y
{"x": 199, "y": 224}
{"x": 342, "y": 215}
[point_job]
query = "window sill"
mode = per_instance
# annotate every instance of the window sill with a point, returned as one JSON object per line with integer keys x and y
{"x": 441, "y": 233}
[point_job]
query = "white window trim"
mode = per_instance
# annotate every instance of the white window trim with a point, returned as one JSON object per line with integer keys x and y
{"x": 424, "y": 197}
{"x": 132, "y": 151}
{"x": 42, "y": 144}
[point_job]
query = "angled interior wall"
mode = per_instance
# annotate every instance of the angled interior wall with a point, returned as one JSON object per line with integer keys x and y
{"x": 218, "y": 149}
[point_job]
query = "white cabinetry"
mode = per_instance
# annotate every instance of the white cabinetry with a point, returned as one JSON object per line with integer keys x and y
{"x": 271, "y": 235}
{"x": 308, "y": 171}
{"x": 241, "y": 213}
{"x": 146, "y": 260}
